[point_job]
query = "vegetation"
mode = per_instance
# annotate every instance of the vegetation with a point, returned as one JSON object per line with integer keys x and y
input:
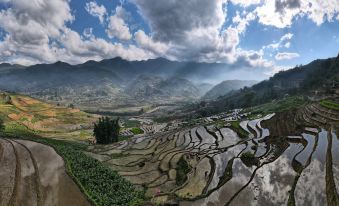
{"x": 238, "y": 129}
{"x": 249, "y": 159}
{"x": 182, "y": 170}
{"x": 106, "y": 130}
{"x": 137, "y": 130}
{"x": 279, "y": 105}
{"x": 46, "y": 119}
{"x": 131, "y": 123}
{"x": 330, "y": 105}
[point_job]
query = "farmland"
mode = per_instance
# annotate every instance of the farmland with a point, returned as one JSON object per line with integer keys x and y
{"x": 212, "y": 164}
{"x": 207, "y": 161}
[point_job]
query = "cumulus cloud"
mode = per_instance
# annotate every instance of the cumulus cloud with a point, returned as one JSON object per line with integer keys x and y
{"x": 146, "y": 42}
{"x": 33, "y": 35}
{"x": 95, "y": 10}
{"x": 30, "y": 25}
{"x": 286, "y": 56}
{"x": 193, "y": 30}
{"x": 281, "y": 13}
{"x": 117, "y": 27}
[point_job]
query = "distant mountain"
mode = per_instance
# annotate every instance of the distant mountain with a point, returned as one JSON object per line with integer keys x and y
{"x": 148, "y": 87}
{"x": 227, "y": 86}
{"x": 112, "y": 82}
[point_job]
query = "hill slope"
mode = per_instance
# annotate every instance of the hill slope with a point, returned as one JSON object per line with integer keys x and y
{"x": 227, "y": 86}
{"x": 317, "y": 77}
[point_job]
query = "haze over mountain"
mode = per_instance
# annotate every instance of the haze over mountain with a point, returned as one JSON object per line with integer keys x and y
{"x": 227, "y": 86}
{"x": 115, "y": 81}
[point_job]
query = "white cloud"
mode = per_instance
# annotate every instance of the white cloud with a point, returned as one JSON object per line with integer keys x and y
{"x": 242, "y": 23}
{"x": 286, "y": 56}
{"x": 29, "y": 28}
{"x": 95, "y": 10}
{"x": 246, "y": 3}
{"x": 146, "y": 42}
{"x": 281, "y": 13}
{"x": 117, "y": 28}
{"x": 283, "y": 42}
{"x": 34, "y": 36}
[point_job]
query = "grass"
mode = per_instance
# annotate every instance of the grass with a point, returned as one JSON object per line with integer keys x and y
{"x": 131, "y": 123}
{"x": 280, "y": 105}
{"x": 238, "y": 129}
{"x": 122, "y": 138}
{"x": 330, "y": 105}
{"x": 182, "y": 170}
{"x": 137, "y": 130}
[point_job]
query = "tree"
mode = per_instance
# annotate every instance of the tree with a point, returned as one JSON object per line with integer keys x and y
{"x": 106, "y": 130}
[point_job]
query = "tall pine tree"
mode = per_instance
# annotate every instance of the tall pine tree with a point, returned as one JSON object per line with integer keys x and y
{"x": 106, "y": 130}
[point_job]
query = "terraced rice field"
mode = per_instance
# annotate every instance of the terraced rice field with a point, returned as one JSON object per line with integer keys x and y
{"x": 33, "y": 174}
{"x": 301, "y": 168}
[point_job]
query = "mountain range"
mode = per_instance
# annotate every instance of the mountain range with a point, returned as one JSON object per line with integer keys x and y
{"x": 115, "y": 82}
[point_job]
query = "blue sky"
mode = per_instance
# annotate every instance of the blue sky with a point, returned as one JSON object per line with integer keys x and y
{"x": 267, "y": 34}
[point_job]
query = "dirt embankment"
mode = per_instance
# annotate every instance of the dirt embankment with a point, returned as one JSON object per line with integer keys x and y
{"x": 283, "y": 124}
{"x": 34, "y": 174}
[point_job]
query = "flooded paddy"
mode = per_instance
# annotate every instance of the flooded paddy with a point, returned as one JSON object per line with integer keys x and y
{"x": 211, "y": 165}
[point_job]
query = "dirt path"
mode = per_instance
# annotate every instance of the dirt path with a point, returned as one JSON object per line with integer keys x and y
{"x": 34, "y": 174}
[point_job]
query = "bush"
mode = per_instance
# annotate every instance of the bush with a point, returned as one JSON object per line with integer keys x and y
{"x": 137, "y": 130}
{"x": 182, "y": 170}
{"x": 106, "y": 130}
{"x": 249, "y": 159}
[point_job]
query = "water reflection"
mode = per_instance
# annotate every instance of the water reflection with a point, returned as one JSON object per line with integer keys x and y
{"x": 272, "y": 183}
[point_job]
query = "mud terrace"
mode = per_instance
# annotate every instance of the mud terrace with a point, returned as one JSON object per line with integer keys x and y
{"x": 34, "y": 174}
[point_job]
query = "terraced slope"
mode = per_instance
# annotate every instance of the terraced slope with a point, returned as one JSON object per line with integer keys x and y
{"x": 33, "y": 174}
{"x": 45, "y": 119}
{"x": 212, "y": 165}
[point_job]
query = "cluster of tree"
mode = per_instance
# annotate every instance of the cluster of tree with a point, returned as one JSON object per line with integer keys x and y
{"x": 106, "y": 130}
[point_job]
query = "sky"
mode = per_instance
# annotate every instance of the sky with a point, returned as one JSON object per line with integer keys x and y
{"x": 268, "y": 35}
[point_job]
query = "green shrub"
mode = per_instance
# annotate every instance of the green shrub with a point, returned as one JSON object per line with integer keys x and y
{"x": 238, "y": 129}
{"x": 330, "y": 105}
{"x": 137, "y": 130}
{"x": 249, "y": 159}
{"x": 182, "y": 170}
